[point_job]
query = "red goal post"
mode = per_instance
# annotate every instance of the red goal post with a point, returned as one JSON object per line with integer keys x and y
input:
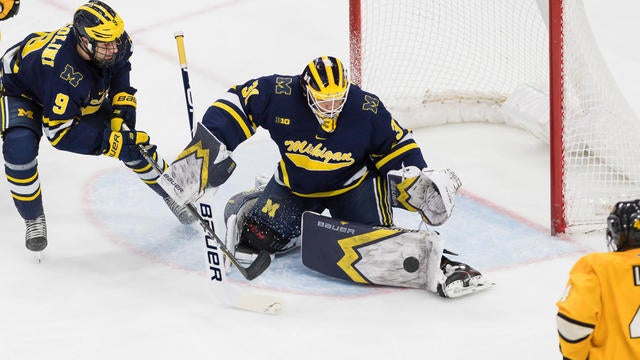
{"x": 532, "y": 64}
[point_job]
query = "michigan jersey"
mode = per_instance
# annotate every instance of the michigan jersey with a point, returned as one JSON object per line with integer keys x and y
{"x": 46, "y": 68}
{"x": 599, "y": 313}
{"x": 314, "y": 163}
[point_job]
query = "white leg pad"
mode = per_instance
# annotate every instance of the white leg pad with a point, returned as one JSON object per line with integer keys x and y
{"x": 410, "y": 259}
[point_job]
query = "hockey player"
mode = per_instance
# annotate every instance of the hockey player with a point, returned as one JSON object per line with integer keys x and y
{"x": 338, "y": 144}
{"x": 73, "y": 84}
{"x": 9, "y": 8}
{"x": 599, "y": 312}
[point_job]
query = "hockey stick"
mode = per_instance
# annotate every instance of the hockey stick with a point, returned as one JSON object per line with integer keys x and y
{"x": 182, "y": 58}
{"x": 242, "y": 299}
{"x": 257, "y": 267}
{"x": 263, "y": 260}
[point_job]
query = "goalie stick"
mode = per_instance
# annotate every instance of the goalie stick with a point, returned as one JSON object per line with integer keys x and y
{"x": 257, "y": 267}
{"x": 182, "y": 58}
{"x": 263, "y": 260}
{"x": 242, "y": 299}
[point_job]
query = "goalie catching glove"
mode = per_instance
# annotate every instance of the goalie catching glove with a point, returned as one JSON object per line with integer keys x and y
{"x": 429, "y": 192}
{"x": 205, "y": 163}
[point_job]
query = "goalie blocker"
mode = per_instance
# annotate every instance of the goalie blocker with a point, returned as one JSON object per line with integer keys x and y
{"x": 205, "y": 163}
{"x": 385, "y": 256}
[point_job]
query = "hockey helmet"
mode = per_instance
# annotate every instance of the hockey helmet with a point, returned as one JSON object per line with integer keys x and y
{"x": 104, "y": 30}
{"x": 623, "y": 226}
{"x": 324, "y": 81}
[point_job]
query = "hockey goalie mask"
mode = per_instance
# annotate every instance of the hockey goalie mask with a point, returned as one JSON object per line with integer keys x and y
{"x": 103, "y": 29}
{"x": 326, "y": 85}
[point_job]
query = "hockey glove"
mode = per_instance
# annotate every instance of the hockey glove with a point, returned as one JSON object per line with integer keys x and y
{"x": 8, "y": 8}
{"x": 204, "y": 164}
{"x": 124, "y": 110}
{"x": 429, "y": 192}
{"x": 124, "y": 144}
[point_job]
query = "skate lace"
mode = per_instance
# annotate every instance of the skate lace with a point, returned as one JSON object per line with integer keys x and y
{"x": 36, "y": 227}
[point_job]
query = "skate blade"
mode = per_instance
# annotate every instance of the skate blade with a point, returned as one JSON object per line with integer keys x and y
{"x": 477, "y": 287}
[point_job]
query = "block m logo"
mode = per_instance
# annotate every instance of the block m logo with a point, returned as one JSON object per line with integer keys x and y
{"x": 25, "y": 113}
{"x": 270, "y": 208}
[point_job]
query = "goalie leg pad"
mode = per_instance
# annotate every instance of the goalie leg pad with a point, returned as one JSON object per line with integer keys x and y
{"x": 245, "y": 235}
{"x": 235, "y": 213}
{"x": 371, "y": 255}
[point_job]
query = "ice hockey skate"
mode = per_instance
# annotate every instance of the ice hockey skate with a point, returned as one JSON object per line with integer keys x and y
{"x": 181, "y": 212}
{"x": 459, "y": 279}
{"x": 36, "y": 235}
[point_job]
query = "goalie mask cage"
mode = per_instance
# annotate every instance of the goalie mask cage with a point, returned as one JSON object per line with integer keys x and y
{"x": 528, "y": 63}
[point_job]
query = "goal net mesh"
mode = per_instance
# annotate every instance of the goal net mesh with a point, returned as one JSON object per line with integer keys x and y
{"x": 436, "y": 62}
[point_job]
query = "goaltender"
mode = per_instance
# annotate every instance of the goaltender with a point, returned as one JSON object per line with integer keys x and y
{"x": 341, "y": 151}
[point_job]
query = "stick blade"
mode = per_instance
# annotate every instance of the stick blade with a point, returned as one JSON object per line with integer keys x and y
{"x": 258, "y": 266}
{"x": 258, "y": 303}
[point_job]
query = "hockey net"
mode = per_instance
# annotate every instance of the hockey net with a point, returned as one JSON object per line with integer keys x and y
{"x": 435, "y": 62}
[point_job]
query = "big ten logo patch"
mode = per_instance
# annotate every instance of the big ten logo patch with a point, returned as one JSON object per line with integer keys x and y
{"x": 282, "y": 121}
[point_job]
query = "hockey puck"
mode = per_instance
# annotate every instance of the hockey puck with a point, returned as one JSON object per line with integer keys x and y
{"x": 411, "y": 264}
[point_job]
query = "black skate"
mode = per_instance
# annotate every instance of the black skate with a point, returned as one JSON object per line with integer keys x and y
{"x": 460, "y": 279}
{"x": 36, "y": 235}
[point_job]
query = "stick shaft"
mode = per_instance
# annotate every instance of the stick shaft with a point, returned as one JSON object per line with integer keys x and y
{"x": 184, "y": 70}
{"x": 263, "y": 260}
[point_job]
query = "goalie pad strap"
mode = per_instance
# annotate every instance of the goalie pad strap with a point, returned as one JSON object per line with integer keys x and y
{"x": 371, "y": 255}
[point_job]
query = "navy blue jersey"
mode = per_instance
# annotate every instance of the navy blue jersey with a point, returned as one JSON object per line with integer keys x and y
{"x": 46, "y": 68}
{"x": 313, "y": 163}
